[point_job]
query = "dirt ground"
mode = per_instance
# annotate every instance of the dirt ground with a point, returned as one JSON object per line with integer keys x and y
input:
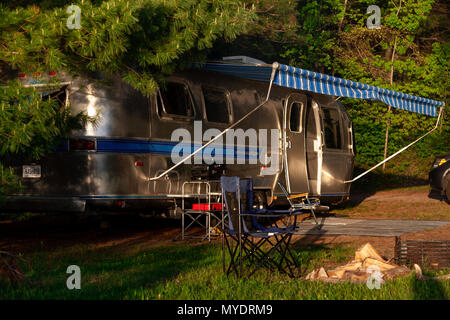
{"x": 134, "y": 238}
{"x": 135, "y": 233}
{"x": 385, "y": 245}
{"x": 416, "y": 203}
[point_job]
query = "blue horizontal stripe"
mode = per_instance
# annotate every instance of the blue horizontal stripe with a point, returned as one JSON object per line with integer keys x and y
{"x": 135, "y": 146}
{"x": 322, "y": 194}
{"x": 121, "y": 197}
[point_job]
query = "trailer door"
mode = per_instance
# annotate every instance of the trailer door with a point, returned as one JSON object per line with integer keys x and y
{"x": 337, "y": 152}
{"x": 294, "y": 144}
{"x": 314, "y": 144}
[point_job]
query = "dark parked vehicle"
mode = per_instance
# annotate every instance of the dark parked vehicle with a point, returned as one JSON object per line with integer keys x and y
{"x": 440, "y": 175}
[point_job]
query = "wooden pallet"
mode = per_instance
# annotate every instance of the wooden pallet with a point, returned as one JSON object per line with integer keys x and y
{"x": 428, "y": 254}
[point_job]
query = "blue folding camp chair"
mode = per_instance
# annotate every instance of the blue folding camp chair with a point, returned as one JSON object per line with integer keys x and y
{"x": 246, "y": 239}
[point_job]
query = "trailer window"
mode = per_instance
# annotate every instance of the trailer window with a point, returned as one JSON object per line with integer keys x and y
{"x": 175, "y": 99}
{"x": 295, "y": 123}
{"x": 332, "y": 129}
{"x": 217, "y": 104}
{"x": 58, "y": 96}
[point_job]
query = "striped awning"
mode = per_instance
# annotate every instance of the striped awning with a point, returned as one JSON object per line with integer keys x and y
{"x": 296, "y": 78}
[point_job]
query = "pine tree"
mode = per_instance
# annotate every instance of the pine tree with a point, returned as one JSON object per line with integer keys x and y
{"x": 143, "y": 41}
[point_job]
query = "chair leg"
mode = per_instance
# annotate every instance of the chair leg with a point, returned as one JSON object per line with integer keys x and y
{"x": 312, "y": 211}
{"x": 252, "y": 251}
{"x": 269, "y": 262}
{"x": 267, "y": 255}
{"x": 287, "y": 255}
{"x": 232, "y": 251}
{"x": 286, "y": 259}
{"x": 259, "y": 254}
{"x": 223, "y": 251}
{"x": 282, "y": 246}
{"x": 192, "y": 222}
{"x": 235, "y": 254}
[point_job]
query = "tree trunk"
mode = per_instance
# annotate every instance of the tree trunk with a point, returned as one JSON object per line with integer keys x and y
{"x": 388, "y": 124}
{"x": 343, "y": 15}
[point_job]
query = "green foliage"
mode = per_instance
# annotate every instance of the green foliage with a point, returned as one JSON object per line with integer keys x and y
{"x": 141, "y": 40}
{"x": 276, "y": 20}
{"x": 31, "y": 124}
{"x": 9, "y": 182}
{"x": 317, "y": 21}
{"x": 337, "y": 41}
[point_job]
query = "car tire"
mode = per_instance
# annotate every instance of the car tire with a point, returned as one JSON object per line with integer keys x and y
{"x": 447, "y": 187}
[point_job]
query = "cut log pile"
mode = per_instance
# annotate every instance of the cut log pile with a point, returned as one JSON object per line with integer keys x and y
{"x": 367, "y": 261}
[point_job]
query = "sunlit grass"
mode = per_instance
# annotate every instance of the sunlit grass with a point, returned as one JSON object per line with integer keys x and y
{"x": 193, "y": 271}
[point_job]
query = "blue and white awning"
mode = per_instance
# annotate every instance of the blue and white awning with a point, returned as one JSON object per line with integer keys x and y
{"x": 301, "y": 79}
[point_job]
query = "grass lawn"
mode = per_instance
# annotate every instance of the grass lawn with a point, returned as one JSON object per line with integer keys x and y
{"x": 139, "y": 266}
{"x": 193, "y": 271}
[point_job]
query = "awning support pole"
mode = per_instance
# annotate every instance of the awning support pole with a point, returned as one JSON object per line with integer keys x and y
{"x": 275, "y": 67}
{"x": 399, "y": 151}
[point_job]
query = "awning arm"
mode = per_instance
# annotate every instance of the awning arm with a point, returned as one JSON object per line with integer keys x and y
{"x": 275, "y": 67}
{"x": 401, "y": 150}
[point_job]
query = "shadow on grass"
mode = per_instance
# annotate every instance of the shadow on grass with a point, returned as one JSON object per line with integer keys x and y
{"x": 429, "y": 290}
{"x": 51, "y": 231}
{"x": 311, "y": 256}
{"x": 106, "y": 274}
{"x": 133, "y": 253}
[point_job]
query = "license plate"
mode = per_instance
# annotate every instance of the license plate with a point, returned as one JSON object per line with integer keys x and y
{"x": 31, "y": 171}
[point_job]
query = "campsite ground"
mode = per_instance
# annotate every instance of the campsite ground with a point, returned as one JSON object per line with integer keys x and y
{"x": 416, "y": 203}
{"x": 136, "y": 258}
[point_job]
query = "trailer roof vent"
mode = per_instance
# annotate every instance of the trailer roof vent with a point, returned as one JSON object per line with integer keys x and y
{"x": 243, "y": 59}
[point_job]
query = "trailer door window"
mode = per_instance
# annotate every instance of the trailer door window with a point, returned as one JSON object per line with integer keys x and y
{"x": 332, "y": 129}
{"x": 217, "y": 104}
{"x": 174, "y": 99}
{"x": 295, "y": 121}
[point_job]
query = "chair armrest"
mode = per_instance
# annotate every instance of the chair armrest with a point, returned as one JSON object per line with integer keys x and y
{"x": 300, "y": 195}
{"x": 271, "y": 213}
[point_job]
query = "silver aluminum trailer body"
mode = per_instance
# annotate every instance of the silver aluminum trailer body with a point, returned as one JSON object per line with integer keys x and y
{"x": 108, "y": 165}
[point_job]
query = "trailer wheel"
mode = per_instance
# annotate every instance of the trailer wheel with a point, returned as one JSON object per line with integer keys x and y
{"x": 260, "y": 198}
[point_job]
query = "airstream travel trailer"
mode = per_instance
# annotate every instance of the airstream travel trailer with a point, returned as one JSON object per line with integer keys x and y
{"x": 126, "y": 159}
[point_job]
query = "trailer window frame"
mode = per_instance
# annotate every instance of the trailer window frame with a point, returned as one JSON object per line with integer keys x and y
{"x": 349, "y": 134}
{"x": 300, "y": 116}
{"x": 341, "y": 148}
{"x": 164, "y": 115}
{"x": 228, "y": 101}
